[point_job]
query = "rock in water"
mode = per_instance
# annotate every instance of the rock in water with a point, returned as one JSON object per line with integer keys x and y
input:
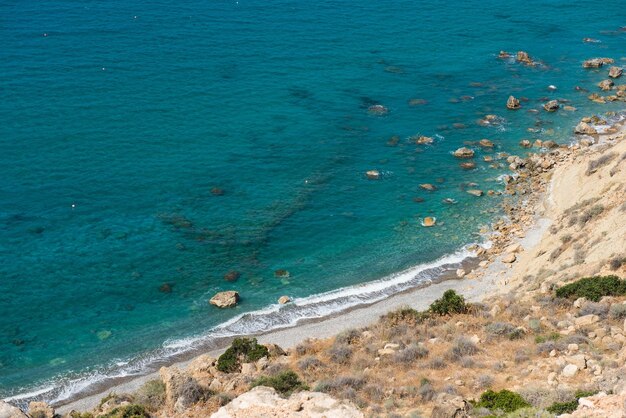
{"x": 464, "y": 152}
{"x": 597, "y": 62}
{"x": 281, "y": 273}
{"x": 429, "y": 221}
{"x": 428, "y": 186}
{"x": 424, "y": 140}
{"x": 284, "y": 299}
{"x": 551, "y": 106}
{"x": 373, "y": 174}
{"x": 377, "y": 110}
{"x": 485, "y": 143}
{"x": 232, "y": 276}
{"x": 225, "y": 299}
{"x": 615, "y": 72}
{"x": 605, "y": 85}
{"x": 524, "y": 58}
{"x": 475, "y": 192}
{"x": 585, "y": 129}
{"x": 525, "y": 143}
{"x": 512, "y": 103}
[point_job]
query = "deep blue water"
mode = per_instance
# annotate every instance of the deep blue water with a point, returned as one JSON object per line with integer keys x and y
{"x": 118, "y": 119}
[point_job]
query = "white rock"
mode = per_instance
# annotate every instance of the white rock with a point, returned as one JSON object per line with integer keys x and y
{"x": 509, "y": 258}
{"x": 570, "y": 370}
{"x": 460, "y": 273}
{"x": 582, "y": 321}
{"x": 10, "y": 411}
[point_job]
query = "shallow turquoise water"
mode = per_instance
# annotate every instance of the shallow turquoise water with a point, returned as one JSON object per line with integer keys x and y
{"x": 119, "y": 117}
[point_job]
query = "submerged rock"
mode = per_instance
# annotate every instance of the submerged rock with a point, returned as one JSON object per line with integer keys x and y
{"x": 232, "y": 276}
{"x": 377, "y": 110}
{"x": 524, "y": 58}
{"x": 217, "y": 191}
{"x": 512, "y": 103}
{"x": 504, "y": 54}
{"x": 597, "y": 62}
{"x": 428, "y": 186}
{"x": 525, "y": 143}
{"x": 225, "y": 299}
{"x": 468, "y": 165}
{"x": 464, "y": 152}
{"x": 417, "y": 102}
{"x": 551, "y": 106}
{"x": 475, "y": 192}
{"x": 281, "y": 273}
{"x": 485, "y": 143}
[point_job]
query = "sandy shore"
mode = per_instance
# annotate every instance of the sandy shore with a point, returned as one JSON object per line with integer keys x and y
{"x": 495, "y": 278}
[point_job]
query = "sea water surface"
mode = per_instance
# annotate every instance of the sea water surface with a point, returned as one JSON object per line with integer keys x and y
{"x": 147, "y": 149}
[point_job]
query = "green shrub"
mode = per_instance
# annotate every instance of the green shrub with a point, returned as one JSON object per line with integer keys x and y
{"x": 505, "y": 401}
{"x": 284, "y": 383}
{"x": 405, "y": 315}
{"x": 559, "y": 408}
{"x": 593, "y": 288}
{"x": 127, "y": 411}
{"x": 449, "y": 304}
{"x": 242, "y": 350}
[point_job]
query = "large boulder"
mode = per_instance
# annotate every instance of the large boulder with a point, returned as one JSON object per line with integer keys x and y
{"x": 551, "y": 106}
{"x": 464, "y": 152}
{"x": 225, "y": 299}
{"x": 262, "y": 402}
{"x": 597, "y": 62}
{"x": 9, "y": 411}
{"x": 585, "y": 129}
{"x": 605, "y": 85}
{"x": 450, "y": 406}
{"x": 615, "y": 72}
{"x": 512, "y": 103}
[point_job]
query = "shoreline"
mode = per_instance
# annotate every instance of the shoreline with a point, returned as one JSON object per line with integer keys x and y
{"x": 481, "y": 283}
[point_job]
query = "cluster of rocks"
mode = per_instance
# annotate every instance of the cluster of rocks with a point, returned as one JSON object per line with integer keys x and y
{"x": 35, "y": 410}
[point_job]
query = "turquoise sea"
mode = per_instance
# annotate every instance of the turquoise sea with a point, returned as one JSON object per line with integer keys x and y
{"x": 149, "y": 148}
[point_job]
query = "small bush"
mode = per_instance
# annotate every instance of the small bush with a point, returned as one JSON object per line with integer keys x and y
{"x": 437, "y": 363}
{"x": 374, "y": 392}
{"x": 559, "y": 408}
{"x": 405, "y": 315}
{"x": 151, "y": 394}
{"x": 594, "y": 308}
{"x": 617, "y": 262}
{"x": 350, "y": 336}
{"x": 127, "y": 411}
{"x": 426, "y": 392}
{"x": 340, "y": 383}
{"x": 310, "y": 362}
{"x": 464, "y": 347}
{"x": 595, "y": 211}
{"x": 594, "y": 165}
{"x": 284, "y": 383}
{"x": 618, "y": 311}
{"x": 484, "y": 381}
{"x": 340, "y": 354}
{"x": 593, "y": 288}
{"x": 449, "y": 304}
{"x": 505, "y": 401}
{"x": 242, "y": 350}
{"x": 410, "y": 354}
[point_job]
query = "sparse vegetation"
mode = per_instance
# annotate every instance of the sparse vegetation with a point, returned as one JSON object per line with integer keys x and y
{"x": 242, "y": 350}
{"x": 593, "y": 288}
{"x": 559, "y": 408}
{"x": 127, "y": 411}
{"x": 151, "y": 394}
{"x": 595, "y": 165}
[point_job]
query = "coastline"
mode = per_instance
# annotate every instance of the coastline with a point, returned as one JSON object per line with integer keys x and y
{"x": 482, "y": 283}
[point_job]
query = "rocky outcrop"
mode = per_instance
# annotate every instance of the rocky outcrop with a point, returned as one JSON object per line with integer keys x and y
{"x": 40, "y": 410}
{"x": 597, "y": 62}
{"x": 585, "y": 129}
{"x": 262, "y": 402}
{"x": 600, "y": 406}
{"x": 615, "y": 72}
{"x": 464, "y": 152}
{"x": 605, "y": 85}
{"x": 551, "y": 106}
{"x": 512, "y": 103}
{"x": 524, "y": 58}
{"x": 9, "y": 411}
{"x": 225, "y": 299}
{"x": 450, "y": 406}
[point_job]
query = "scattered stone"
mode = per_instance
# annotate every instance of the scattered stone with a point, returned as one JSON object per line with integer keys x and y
{"x": 569, "y": 370}
{"x": 464, "y": 152}
{"x": 550, "y": 144}
{"x": 225, "y": 299}
{"x": 468, "y": 165}
{"x": 422, "y": 140}
{"x": 284, "y": 299}
{"x": 584, "y": 128}
{"x": 512, "y": 103}
{"x": 569, "y": 108}
{"x": 605, "y": 85}
{"x": 509, "y": 258}
{"x": 615, "y": 72}
{"x": 551, "y": 106}
{"x": 475, "y": 192}
{"x": 504, "y": 54}
{"x": 428, "y": 186}
{"x": 373, "y": 174}
{"x": 525, "y": 143}
{"x": 485, "y": 143}
{"x": 583, "y": 321}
